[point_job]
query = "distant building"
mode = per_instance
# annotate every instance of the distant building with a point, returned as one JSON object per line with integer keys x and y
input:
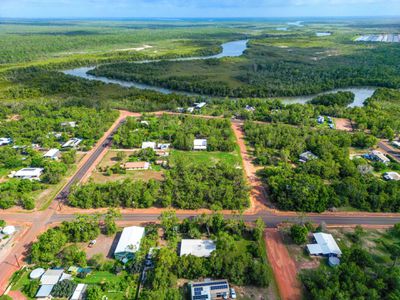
{"x": 28, "y": 173}
{"x": 200, "y": 105}
{"x": 325, "y": 245}
{"x": 391, "y": 176}
{"x": 144, "y": 123}
{"x": 199, "y": 248}
{"x": 378, "y": 156}
{"x": 146, "y": 145}
{"x": 249, "y": 108}
{"x": 200, "y": 144}
{"x": 52, "y": 154}
{"x": 190, "y": 109}
{"x": 138, "y": 165}
{"x": 162, "y": 153}
{"x": 163, "y": 146}
{"x": 72, "y": 143}
{"x": 5, "y": 141}
{"x": 307, "y": 156}
{"x": 79, "y": 292}
{"x": 209, "y": 290}
{"x": 68, "y": 124}
{"x": 129, "y": 243}
{"x": 396, "y": 144}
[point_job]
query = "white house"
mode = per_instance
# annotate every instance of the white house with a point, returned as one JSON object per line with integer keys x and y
{"x": 52, "y": 154}
{"x": 200, "y": 144}
{"x": 151, "y": 145}
{"x": 129, "y": 243}
{"x": 391, "y": 176}
{"x": 199, "y": 248}
{"x": 325, "y": 245}
{"x": 137, "y": 165}
{"x": 5, "y": 141}
{"x": 28, "y": 173}
{"x": 72, "y": 143}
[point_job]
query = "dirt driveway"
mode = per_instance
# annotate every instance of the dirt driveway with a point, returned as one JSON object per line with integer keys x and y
{"x": 283, "y": 266}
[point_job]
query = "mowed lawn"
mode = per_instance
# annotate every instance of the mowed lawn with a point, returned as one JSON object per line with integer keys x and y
{"x": 206, "y": 157}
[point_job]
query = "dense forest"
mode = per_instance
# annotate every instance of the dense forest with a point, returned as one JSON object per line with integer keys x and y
{"x": 186, "y": 185}
{"x": 330, "y": 180}
{"x": 179, "y": 131}
{"x": 332, "y": 99}
{"x": 270, "y": 71}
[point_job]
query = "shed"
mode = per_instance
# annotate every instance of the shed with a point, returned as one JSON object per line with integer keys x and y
{"x": 44, "y": 291}
{"x": 37, "y": 273}
{"x": 199, "y": 248}
{"x": 333, "y": 261}
{"x": 325, "y": 245}
{"x": 129, "y": 243}
{"x": 200, "y": 144}
{"x": 79, "y": 292}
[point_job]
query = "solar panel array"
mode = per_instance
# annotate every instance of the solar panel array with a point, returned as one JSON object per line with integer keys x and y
{"x": 209, "y": 283}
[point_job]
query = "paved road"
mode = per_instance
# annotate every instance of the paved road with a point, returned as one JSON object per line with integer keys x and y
{"x": 390, "y": 150}
{"x": 270, "y": 219}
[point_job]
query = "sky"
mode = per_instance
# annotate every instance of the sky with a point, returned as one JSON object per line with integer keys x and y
{"x": 195, "y": 8}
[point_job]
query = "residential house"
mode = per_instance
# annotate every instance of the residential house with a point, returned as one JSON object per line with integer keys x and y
{"x": 151, "y": 145}
{"x": 53, "y": 154}
{"x": 378, "y": 156}
{"x": 129, "y": 243}
{"x": 28, "y": 173}
{"x": 200, "y": 144}
{"x": 5, "y": 141}
{"x": 190, "y": 109}
{"x": 307, "y": 156}
{"x": 137, "y": 165}
{"x": 47, "y": 281}
{"x": 199, "y": 248}
{"x": 249, "y": 108}
{"x": 325, "y": 245}
{"x": 209, "y": 290}
{"x": 391, "y": 176}
{"x": 72, "y": 143}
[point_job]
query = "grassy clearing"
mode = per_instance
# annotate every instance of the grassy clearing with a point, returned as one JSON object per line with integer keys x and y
{"x": 205, "y": 157}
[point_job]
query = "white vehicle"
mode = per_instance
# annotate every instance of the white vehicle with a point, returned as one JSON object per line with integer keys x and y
{"x": 92, "y": 243}
{"x": 233, "y": 293}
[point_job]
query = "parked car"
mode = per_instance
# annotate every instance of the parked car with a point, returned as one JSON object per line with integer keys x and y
{"x": 92, "y": 243}
{"x": 233, "y": 293}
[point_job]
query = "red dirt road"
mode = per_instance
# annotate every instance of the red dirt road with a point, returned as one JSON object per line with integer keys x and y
{"x": 283, "y": 266}
{"x": 257, "y": 193}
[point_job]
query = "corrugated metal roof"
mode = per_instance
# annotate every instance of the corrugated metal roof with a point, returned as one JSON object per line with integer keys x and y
{"x": 199, "y": 248}
{"x": 130, "y": 239}
{"x": 326, "y": 245}
{"x": 44, "y": 291}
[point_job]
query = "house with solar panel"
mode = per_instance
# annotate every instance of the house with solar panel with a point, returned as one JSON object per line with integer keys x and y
{"x": 209, "y": 290}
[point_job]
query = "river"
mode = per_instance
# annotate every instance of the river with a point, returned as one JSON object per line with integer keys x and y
{"x": 230, "y": 49}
